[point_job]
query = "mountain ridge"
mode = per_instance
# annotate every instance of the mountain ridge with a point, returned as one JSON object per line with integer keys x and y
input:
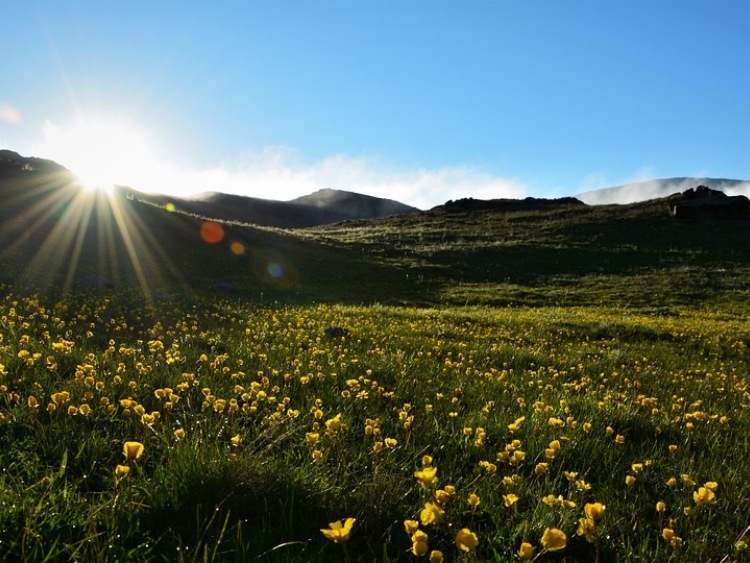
{"x": 56, "y": 237}
{"x": 659, "y": 188}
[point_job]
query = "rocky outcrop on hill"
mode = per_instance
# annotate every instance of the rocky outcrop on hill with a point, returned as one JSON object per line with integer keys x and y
{"x": 703, "y": 203}
{"x": 527, "y": 204}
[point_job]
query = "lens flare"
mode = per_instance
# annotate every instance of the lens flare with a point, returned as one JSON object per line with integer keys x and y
{"x": 275, "y": 270}
{"x": 237, "y": 248}
{"x": 212, "y": 232}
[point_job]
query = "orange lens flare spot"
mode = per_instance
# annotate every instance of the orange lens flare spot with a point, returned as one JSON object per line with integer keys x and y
{"x": 212, "y": 232}
{"x": 237, "y": 248}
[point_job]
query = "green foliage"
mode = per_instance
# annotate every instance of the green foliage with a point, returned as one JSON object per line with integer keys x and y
{"x": 547, "y": 354}
{"x": 287, "y": 429}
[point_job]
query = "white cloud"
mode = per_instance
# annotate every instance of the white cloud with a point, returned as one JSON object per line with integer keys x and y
{"x": 117, "y": 153}
{"x": 278, "y": 173}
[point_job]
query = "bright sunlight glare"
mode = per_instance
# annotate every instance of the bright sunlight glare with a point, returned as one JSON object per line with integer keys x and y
{"x": 101, "y": 154}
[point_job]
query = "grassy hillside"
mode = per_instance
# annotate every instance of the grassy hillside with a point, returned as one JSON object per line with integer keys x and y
{"x": 566, "y": 254}
{"x": 565, "y": 383}
{"x": 635, "y": 255}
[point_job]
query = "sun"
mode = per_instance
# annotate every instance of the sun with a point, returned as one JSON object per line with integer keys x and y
{"x": 100, "y": 153}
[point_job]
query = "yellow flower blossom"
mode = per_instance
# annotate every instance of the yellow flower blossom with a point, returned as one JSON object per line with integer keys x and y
{"x": 411, "y": 526}
{"x": 431, "y": 514}
{"x": 466, "y": 540}
{"x": 510, "y": 500}
{"x": 704, "y": 496}
{"x": 419, "y": 543}
{"x": 554, "y": 539}
{"x": 436, "y": 556}
{"x": 594, "y": 510}
{"x": 339, "y": 532}
{"x": 525, "y": 551}
{"x": 132, "y": 450}
{"x": 587, "y": 527}
{"x": 427, "y": 477}
{"x": 122, "y": 471}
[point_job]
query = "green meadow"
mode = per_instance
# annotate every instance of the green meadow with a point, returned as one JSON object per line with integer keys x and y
{"x": 544, "y": 385}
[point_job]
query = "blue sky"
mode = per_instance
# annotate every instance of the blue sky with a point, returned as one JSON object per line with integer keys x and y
{"x": 420, "y": 101}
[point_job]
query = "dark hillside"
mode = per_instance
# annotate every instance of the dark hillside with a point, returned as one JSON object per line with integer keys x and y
{"x": 55, "y": 237}
{"x": 320, "y": 208}
{"x": 570, "y": 253}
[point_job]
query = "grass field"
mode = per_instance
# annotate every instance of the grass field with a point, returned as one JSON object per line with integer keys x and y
{"x": 559, "y": 384}
{"x": 474, "y": 428}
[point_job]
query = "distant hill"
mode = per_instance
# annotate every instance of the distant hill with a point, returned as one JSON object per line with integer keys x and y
{"x": 654, "y": 189}
{"x": 688, "y": 248}
{"x": 319, "y": 208}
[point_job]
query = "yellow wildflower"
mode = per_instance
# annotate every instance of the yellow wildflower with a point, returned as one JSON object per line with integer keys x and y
{"x": 419, "y": 543}
{"x": 466, "y": 540}
{"x": 526, "y": 551}
{"x": 427, "y": 477}
{"x": 132, "y": 450}
{"x": 339, "y": 532}
{"x": 594, "y": 510}
{"x": 122, "y": 471}
{"x": 411, "y": 526}
{"x": 587, "y": 527}
{"x": 554, "y": 539}
{"x": 441, "y": 496}
{"x": 510, "y": 500}
{"x": 431, "y": 514}
{"x": 704, "y": 496}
